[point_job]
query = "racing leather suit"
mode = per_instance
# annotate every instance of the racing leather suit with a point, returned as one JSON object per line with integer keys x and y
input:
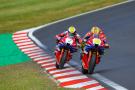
{"x": 101, "y": 35}
{"x": 66, "y": 33}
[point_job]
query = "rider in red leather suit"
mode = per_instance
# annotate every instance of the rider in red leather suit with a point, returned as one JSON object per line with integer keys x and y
{"x": 98, "y": 32}
{"x": 71, "y": 32}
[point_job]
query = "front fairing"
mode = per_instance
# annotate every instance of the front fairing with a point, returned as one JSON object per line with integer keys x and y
{"x": 90, "y": 40}
{"x": 92, "y": 48}
{"x": 63, "y": 41}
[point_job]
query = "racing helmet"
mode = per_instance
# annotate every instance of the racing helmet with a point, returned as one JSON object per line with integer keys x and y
{"x": 72, "y": 30}
{"x": 95, "y": 30}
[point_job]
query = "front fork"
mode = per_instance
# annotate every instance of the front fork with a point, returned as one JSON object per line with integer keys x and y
{"x": 97, "y": 58}
{"x": 69, "y": 56}
{"x": 86, "y": 59}
{"x": 59, "y": 55}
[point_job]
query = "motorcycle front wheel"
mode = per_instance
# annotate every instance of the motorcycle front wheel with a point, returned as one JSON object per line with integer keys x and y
{"x": 92, "y": 64}
{"x": 62, "y": 61}
{"x": 84, "y": 71}
{"x": 57, "y": 66}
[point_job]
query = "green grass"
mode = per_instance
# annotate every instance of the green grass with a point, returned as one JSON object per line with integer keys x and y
{"x": 25, "y": 76}
{"x": 21, "y": 14}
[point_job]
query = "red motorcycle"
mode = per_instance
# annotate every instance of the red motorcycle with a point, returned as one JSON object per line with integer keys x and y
{"x": 66, "y": 45}
{"x": 92, "y": 57}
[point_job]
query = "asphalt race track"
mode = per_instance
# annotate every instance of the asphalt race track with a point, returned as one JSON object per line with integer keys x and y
{"x": 118, "y": 63}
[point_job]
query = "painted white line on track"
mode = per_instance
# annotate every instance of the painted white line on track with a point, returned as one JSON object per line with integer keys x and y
{"x": 59, "y": 70}
{"x": 69, "y": 73}
{"x": 80, "y": 85}
{"x": 53, "y": 67}
{"x": 96, "y": 88}
{"x": 22, "y": 41}
{"x": 19, "y": 35}
{"x": 72, "y": 78}
{"x": 25, "y": 43}
{"x": 37, "y": 53}
{"x": 43, "y": 59}
{"x": 20, "y": 32}
{"x": 29, "y": 46}
{"x": 30, "y": 49}
{"x": 109, "y": 82}
{"x": 20, "y": 38}
{"x": 52, "y": 63}
{"x": 30, "y": 34}
{"x": 34, "y": 52}
{"x": 41, "y": 55}
{"x": 23, "y": 31}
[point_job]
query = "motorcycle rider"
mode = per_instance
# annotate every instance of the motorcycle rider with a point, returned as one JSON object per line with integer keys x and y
{"x": 96, "y": 31}
{"x": 71, "y": 32}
